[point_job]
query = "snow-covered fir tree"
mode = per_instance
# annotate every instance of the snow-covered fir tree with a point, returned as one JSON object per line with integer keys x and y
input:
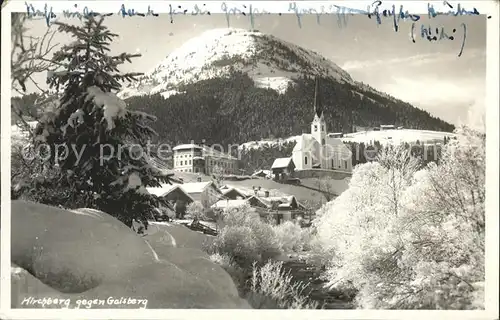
{"x": 98, "y": 147}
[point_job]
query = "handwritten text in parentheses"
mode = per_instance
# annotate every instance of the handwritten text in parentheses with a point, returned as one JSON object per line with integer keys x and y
{"x": 433, "y": 34}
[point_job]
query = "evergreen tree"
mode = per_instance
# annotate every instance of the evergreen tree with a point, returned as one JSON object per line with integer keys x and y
{"x": 104, "y": 162}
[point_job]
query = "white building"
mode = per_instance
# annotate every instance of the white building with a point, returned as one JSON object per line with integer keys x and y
{"x": 202, "y": 159}
{"x": 320, "y": 149}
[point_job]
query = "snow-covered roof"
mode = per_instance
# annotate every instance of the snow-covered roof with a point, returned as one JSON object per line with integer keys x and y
{"x": 158, "y": 163}
{"x": 286, "y": 200}
{"x": 265, "y": 172}
{"x": 257, "y": 199}
{"x": 163, "y": 190}
{"x": 281, "y": 163}
{"x": 336, "y": 146}
{"x": 222, "y": 204}
{"x": 188, "y": 146}
{"x": 195, "y": 187}
{"x": 335, "y": 134}
{"x": 227, "y": 190}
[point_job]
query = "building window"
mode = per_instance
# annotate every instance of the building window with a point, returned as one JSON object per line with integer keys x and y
{"x": 181, "y": 163}
{"x": 333, "y": 164}
{"x": 323, "y": 141}
{"x": 315, "y": 128}
{"x": 305, "y": 160}
{"x": 189, "y": 161}
{"x": 345, "y": 163}
{"x": 322, "y": 128}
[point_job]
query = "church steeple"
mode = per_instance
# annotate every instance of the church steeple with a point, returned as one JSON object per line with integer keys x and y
{"x": 318, "y": 125}
{"x": 318, "y": 107}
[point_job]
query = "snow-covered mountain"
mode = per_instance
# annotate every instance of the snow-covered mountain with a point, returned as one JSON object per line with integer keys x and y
{"x": 223, "y": 112}
{"x": 269, "y": 61}
{"x": 368, "y": 137}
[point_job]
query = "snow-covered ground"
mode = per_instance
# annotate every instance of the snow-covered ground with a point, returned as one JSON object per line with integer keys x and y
{"x": 397, "y": 136}
{"x": 383, "y": 136}
{"x": 266, "y": 142}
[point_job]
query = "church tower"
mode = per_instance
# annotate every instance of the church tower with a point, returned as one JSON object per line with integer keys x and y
{"x": 318, "y": 125}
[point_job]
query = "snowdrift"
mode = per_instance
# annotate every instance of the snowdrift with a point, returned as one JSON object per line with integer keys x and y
{"x": 86, "y": 254}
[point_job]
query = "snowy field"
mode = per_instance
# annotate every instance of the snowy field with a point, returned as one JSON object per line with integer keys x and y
{"x": 383, "y": 136}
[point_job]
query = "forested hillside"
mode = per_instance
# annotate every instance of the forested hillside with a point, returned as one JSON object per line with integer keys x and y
{"x": 233, "y": 110}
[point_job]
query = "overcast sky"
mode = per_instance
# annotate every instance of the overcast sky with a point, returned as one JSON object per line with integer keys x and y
{"x": 430, "y": 75}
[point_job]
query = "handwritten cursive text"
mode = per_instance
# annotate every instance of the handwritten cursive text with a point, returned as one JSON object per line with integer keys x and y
{"x": 439, "y": 34}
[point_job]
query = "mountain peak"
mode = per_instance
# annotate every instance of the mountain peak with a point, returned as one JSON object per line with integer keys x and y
{"x": 269, "y": 61}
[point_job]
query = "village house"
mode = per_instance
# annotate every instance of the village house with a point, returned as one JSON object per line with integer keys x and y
{"x": 320, "y": 150}
{"x": 202, "y": 159}
{"x": 279, "y": 208}
{"x": 233, "y": 194}
{"x": 177, "y": 198}
{"x": 253, "y": 202}
{"x": 206, "y": 192}
{"x": 284, "y": 208}
{"x": 262, "y": 174}
{"x": 282, "y": 168}
{"x": 387, "y": 127}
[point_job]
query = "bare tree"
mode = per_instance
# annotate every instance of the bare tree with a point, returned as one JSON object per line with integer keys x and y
{"x": 195, "y": 211}
{"x": 311, "y": 206}
{"x": 29, "y": 56}
{"x": 324, "y": 186}
{"x": 217, "y": 175}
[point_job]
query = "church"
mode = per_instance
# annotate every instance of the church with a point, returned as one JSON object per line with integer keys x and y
{"x": 320, "y": 149}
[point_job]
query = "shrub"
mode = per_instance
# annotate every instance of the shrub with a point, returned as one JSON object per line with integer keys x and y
{"x": 195, "y": 211}
{"x": 292, "y": 237}
{"x": 273, "y": 288}
{"x": 245, "y": 237}
{"x": 237, "y": 242}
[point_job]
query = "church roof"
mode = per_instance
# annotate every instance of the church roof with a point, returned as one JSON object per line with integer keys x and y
{"x": 336, "y": 145}
{"x": 304, "y": 142}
